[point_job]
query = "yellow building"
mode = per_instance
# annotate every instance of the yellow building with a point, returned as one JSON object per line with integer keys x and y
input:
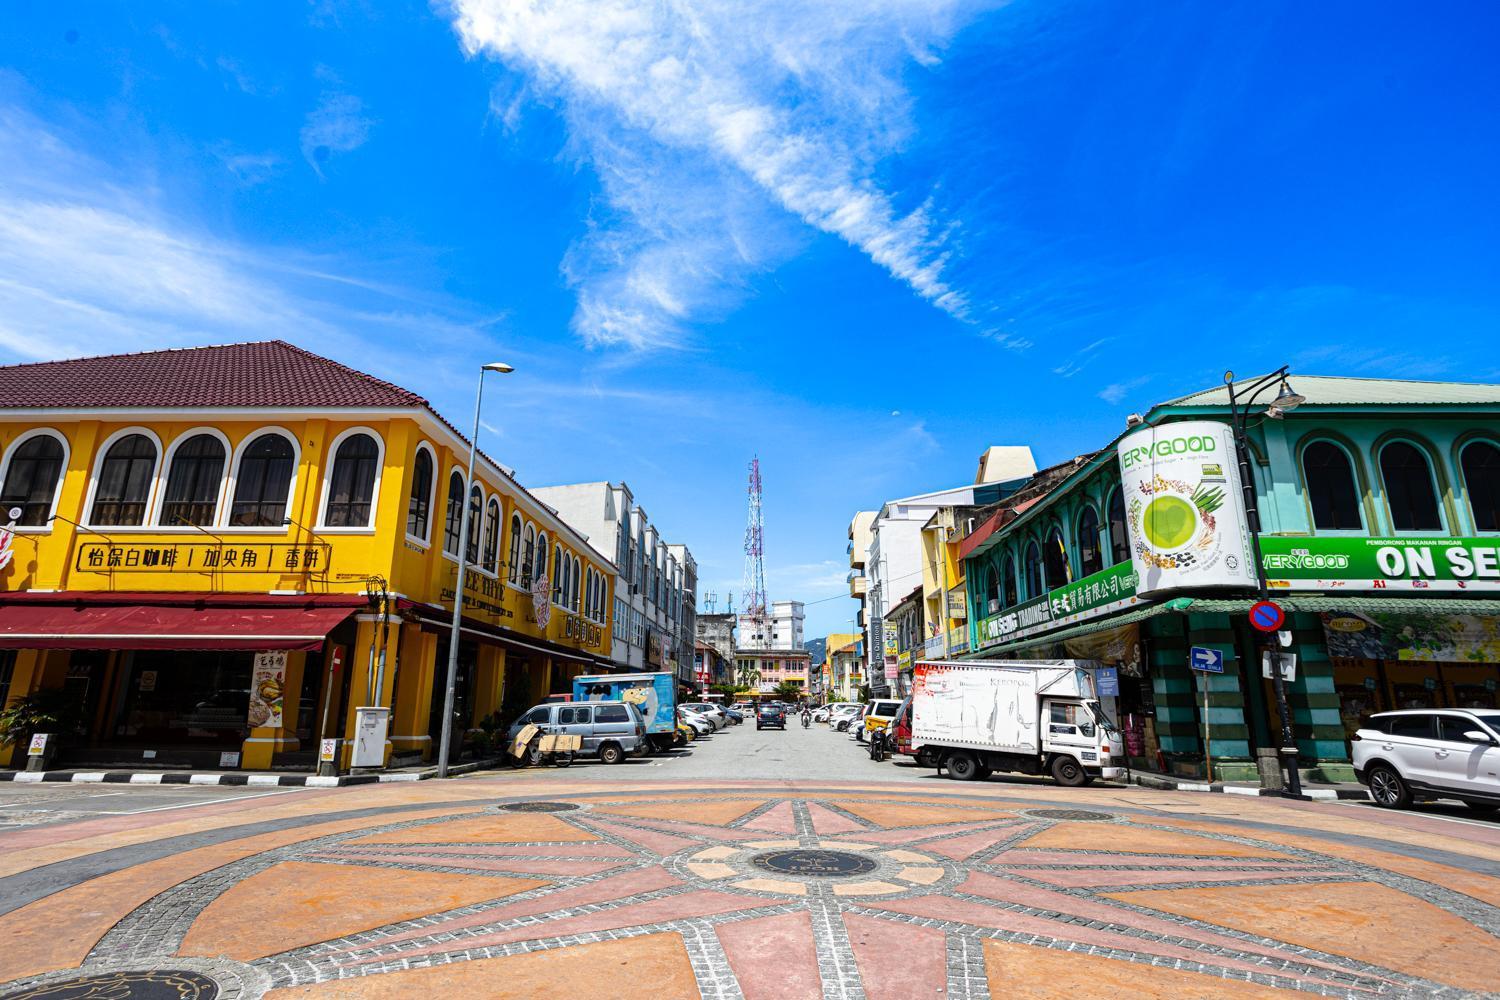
{"x": 944, "y": 595}
{"x": 842, "y": 666}
{"x": 219, "y": 553}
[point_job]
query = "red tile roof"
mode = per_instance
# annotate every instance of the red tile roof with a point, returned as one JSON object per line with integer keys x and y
{"x": 269, "y": 373}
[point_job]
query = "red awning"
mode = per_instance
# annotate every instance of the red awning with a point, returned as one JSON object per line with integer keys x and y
{"x": 101, "y": 623}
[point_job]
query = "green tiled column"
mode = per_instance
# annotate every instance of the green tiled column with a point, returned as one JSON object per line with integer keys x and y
{"x": 1314, "y": 703}
{"x": 1227, "y": 732}
{"x": 1172, "y": 687}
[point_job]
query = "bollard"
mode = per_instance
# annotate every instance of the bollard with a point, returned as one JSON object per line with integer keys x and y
{"x": 1269, "y": 763}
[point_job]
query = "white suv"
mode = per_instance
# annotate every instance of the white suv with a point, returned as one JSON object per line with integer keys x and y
{"x": 1431, "y": 753}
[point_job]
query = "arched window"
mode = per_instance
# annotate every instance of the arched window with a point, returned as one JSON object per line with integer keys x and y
{"x": 453, "y": 516}
{"x": 588, "y": 592}
{"x": 476, "y": 508}
{"x": 1119, "y": 538}
{"x": 262, "y": 483}
{"x": 1330, "y": 487}
{"x": 513, "y": 567}
{"x": 1034, "y": 587}
{"x": 528, "y": 556}
{"x": 1408, "y": 488}
{"x": 1481, "y": 465}
{"x": 351, "y": 488}
{"x": 1090, "y": 556}
{"x": 988, "y": 591}
{"x": 31, "y": 479}
{"x": 540, "y": 571}
{"x": 1055, "y": 559}
{"x": 557, "y": 574}
{"x": 577, "y": 582}
{"x": 492, "y": 536}
{"x": 565, "y": 580}
{"x": 125, "y": 481}
{"x": 419, "y": 502}
{"x": 193, "y": 481}
{"x": 1008, "y": 583}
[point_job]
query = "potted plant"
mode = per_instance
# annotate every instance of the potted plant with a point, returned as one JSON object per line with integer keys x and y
{"x": 50, "y": 712}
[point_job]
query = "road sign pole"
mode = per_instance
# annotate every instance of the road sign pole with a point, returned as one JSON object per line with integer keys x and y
{"x": 1208, "y": 740}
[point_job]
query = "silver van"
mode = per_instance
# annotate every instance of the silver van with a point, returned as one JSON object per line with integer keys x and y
{"x": 611, "y": 730}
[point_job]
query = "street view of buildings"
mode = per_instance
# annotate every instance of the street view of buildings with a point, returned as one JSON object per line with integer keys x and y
{"x": 743, "y": 500}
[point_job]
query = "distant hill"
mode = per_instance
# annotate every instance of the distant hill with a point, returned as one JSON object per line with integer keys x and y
{"x": 819, "y": 650}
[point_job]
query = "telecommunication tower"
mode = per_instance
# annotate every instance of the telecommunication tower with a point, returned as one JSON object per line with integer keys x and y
{"x": 754, "y": 594}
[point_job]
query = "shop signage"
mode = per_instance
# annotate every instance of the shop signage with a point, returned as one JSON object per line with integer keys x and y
{"x": 267, "y": 688}
{"x": 201, "y": 557}
{"x": 1107, "y": 682}
{"x": 8, "y": 538}
{"x": 1343, "y": 562}
{"x": 577, "y": 627}
{"x": 958, "y": 604}
{"x": 1184, "y": 509}
{"x": 541, "y": 600}
{"x": 1426, "y": 637}
{"x": 1094, "y": 595}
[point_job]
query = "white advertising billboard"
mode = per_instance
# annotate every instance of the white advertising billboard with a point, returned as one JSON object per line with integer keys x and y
{"x": 1184, "y": 508}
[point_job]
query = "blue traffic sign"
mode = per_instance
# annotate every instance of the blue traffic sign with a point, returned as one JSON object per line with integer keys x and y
{"x": 1267, "y": 616}
{"x": 1210, "y": 661}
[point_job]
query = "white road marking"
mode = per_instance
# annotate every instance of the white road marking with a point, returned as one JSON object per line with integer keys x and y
{"x": 201, "y": 802}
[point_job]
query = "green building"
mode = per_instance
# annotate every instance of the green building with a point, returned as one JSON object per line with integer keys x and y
{"x": 1379, "y": 503}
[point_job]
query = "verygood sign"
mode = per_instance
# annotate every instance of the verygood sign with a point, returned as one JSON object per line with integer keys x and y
{"x": 1381, "y": 563}
{"x": 1184, "y": 508}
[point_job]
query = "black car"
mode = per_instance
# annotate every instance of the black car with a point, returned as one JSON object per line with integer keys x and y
{"x": 770, "y": 715}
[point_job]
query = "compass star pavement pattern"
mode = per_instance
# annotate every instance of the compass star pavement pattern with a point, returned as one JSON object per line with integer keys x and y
{"x": 759, "y": 890}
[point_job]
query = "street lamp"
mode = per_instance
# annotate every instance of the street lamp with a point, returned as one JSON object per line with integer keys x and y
{"x": 1240, "y": 401}
{"x": 458, "y": 585}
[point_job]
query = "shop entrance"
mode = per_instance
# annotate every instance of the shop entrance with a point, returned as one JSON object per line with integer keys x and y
{"x": 463, "y": 697}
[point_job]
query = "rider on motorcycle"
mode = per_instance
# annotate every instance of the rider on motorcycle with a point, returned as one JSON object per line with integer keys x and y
{"x": 806, "y": 716}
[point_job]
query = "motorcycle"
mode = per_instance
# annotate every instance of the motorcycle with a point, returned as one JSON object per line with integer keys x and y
{"x": 879, "y": 745}
{"x": 533, "y": 748}
{"x": 806, "y": 719}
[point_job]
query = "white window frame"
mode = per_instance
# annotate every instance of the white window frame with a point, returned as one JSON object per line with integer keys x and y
{"x": 330, "y": 457}
{"x": 57, "y": 488}
{"x": 463, "y": 510}
{"x": 431, "y": 497}
{"x": 493, "y": 572}
{"x": 154, "y": 513}
{"x": 100, "y": 453}
{"x": 234, "y": 479}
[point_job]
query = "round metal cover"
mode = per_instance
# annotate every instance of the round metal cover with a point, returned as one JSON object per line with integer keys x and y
{"x": 814, "y": 863}
{"x": 152, "y": 984}
{"x": 1075, "y": 815}
{"x": 539, "y": 807}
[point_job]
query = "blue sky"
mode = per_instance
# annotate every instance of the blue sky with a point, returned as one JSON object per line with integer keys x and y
{"x": 861, "y": 240}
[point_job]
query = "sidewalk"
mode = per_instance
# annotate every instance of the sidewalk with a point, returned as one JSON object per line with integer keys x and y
{"x": 267, "y": 778}
{"x": 1311, "y": 791}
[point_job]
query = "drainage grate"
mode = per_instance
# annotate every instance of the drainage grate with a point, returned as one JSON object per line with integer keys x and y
{"x": 538, "y": 807}
{"x": 153, "y": 984}
{"x": 815, "y": 863}
{"x": 1073, "y": 815}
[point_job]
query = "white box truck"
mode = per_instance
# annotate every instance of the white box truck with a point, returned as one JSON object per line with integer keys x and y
{"x": 1028, "y": 716}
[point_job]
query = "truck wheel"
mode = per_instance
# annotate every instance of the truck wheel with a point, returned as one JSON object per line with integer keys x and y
{"x": 985, "y": 771}
{"x": 927, "y": 757}
{"x": 611, "y": 753}
{"x": 962, "y": 766}
{"x": 1068, "y": 772}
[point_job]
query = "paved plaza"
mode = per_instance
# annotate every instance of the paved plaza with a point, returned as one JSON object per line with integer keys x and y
{"x": 633, "y": 881}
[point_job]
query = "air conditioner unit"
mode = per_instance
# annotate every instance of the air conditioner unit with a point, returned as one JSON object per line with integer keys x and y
{"x": 994, "y": 605}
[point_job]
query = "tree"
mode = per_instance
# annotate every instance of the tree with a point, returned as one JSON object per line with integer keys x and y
{"x": 864, "y": 692}
{"x": 749, "y": 677}
{"x": 787, "y": 691}
{"x": 728, "y": 690}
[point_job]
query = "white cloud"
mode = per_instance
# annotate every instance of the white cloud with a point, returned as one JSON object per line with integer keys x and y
{"x": 703, "y": 121}
{"x": 1116, "y": 391}
{"x": 337, "y": 125}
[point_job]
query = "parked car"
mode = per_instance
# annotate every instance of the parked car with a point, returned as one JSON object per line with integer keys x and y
{"x": 610, "y": 730}
{"x": 820, "y": 714}
{"x": 745, "y": 707}
{"x": 702, "y": 723}
{"x": 712, "y": 711}
{"x": 1447, "y": 753}
{"x": 840, "y": 711}
{"x": 850, "y": 719}
{"x": 770, "y": 715}
{"x": 879, "y": 712}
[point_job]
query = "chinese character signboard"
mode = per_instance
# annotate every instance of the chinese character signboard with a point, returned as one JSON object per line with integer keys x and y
{"x": 1184, "y": 507}
{"x": 202, "y": 557}
{"x": 1343, "y": 562}
{"x": 541, "y": 600}
{"x": 1094, "y": 595}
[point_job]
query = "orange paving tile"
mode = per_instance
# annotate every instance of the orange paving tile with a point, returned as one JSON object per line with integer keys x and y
{"x": 1350, "y": 825}
{"x": 654, "y": 965}
{"x": 59, "y": 931}
{"x": 902, "y": 814}
{"x": 1114, "y": 837}
{"x": 316, "y": 902}
{"x": 717, "y": 813}
{"x": 493, "y": 829}
{"x": 1362, "y": 920}
{"x": 1024, "y": 972}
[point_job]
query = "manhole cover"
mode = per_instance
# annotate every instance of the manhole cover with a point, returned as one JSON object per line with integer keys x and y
{"x": 539, "y": 807}
{"x": 156, "y": 984}
{"x": 1076, "y": 815}
{"x": 814, "y": 863}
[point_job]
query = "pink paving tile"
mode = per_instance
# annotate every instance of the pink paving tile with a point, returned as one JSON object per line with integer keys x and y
{"x": 614, "y": 887}
{"x": 778, "y": 819}
{"x": 774, "y": 958}
{"x": 59, "y": 833}
{"x": 652, "y": 840}
{"x": 685, "y": 906}
{"x": 826, "y": 821}
{"x": 910, "y": 834}
{"x": 1040, "y": 857}
{"x": 898, "y": 961}
{"x": 1074, "y": 878}
{"x": 597, "y": 849}
{"x": 965, "y": 847}
{"x": 531, "y": 866}
{"x": 699, "y": 830}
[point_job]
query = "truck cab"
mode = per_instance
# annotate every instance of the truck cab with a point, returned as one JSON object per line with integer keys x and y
{"x": 1079, "y": 737}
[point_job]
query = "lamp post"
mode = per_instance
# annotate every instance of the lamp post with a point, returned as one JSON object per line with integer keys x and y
{"x": 1240, "y": 400}
{"x": 458, "y": 583}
